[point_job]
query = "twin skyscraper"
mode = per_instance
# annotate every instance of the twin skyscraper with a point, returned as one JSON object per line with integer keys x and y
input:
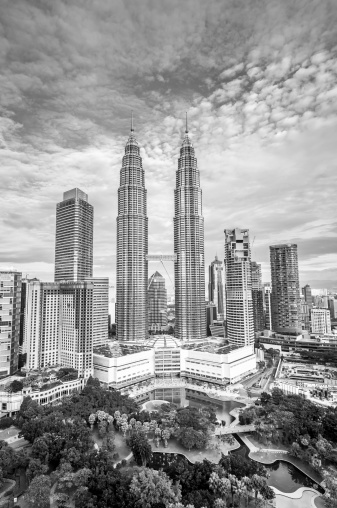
{"x": 132, "y": 247}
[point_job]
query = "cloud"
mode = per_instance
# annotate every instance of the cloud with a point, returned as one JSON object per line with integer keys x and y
{"x": 258, "y": 80}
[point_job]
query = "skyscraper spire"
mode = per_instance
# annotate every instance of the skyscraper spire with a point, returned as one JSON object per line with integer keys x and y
{"x": 132, "y": 129}
{"x": 186, "y": 129}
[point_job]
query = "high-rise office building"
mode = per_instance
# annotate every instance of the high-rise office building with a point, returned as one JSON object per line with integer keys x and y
{"x": 257, "y": 295}
{"x": 238, "y": 283}
{"x": 267, "y": 306}
{"x": 157, "y": 300}
{"x": 42, "y": 324}
{"x": 286, "y": 289}
{"x": 76, "y": 316}
{"x": 10, "y": 306}
{"x": 189, "y": 267}
{"x": 320, "y": 321}
{"x": 332, "y": 305}
{"x": 100, "y": 310}
{"x": 132, "y": 247}
{"x": 306, "y": 292}
{"x": 74, "y": 237}
{"x": 216, "y": 288}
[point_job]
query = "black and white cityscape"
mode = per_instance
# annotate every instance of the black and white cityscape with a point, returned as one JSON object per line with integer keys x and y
{"x": 168, "y": 280}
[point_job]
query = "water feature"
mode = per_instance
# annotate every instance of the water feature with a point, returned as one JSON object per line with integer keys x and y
{"x": 187, "y": 397}
{"x": 284, "y": 476}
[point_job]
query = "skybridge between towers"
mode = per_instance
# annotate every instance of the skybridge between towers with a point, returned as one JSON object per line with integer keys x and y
{"x": 162, "y": 258}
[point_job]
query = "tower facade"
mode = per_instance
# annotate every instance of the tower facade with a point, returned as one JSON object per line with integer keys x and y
{"x": 74, "y": 237}
{"x": 100, "y": 310}
{"x": 132, "y": 248}
{"x": 257, "y": 295}
{"x": 42, "y": 324}
{"x": 76, "y": 315}
{"x": 157, "y": 300}
{"x": 267, "y": 306}
{"x": 215, "y": 287}
{"x": 286, "y": 288}
{"x": 239, "y": 301}
{"x": 306, "y": 291}
{"x": 10, "y": 308}
{"x": 189, "y": 267}
{"x": 320, "y": 321}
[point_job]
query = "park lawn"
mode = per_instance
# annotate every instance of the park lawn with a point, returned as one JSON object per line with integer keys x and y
{"x": 195, "y": 455}
{"x": 302, "y": 502}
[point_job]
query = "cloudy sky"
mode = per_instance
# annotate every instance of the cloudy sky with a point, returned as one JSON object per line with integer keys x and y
{"x": 257, "y": 77}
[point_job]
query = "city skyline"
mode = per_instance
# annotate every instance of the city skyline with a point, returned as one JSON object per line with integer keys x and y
{"x": 262, "y": 114}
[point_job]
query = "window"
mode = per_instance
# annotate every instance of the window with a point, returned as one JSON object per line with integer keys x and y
{"x": 4, "y": 406}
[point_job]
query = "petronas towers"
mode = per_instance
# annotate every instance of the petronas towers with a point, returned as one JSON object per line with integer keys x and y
{"x": 189, "y": 268}
{"x": 132, "y": 248}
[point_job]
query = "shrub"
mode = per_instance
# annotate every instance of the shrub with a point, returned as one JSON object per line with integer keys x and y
{"x": 6, "y": 422}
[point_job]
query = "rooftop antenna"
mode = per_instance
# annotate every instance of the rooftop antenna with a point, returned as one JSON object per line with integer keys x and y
{"x": 132, "y": 129}
{"x": 186, "y": 130}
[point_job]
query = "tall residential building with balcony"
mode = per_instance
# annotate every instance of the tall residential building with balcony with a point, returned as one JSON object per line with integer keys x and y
{"x": 132, "y": 248}
{"x": 157, "y": 301}
{"x": 238, "y": 283}
{"x": 320, "y": 321}
{"x": 257, "y": 295}
{"x": 216, "y": 287}
{"x": 100, "y": 310}
{"x": 76, "y": 330}
{"x": 42, "y": 324}
{"x": 10, "y": 307}
{"x": 286, "y": 289}
{"x": 74, "y": 237}
{"x": 59, "y": 324}
{"x": 189, "y": 267}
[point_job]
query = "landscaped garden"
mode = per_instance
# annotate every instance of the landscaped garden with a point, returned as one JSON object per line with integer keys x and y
{"x": 81, "y": 452}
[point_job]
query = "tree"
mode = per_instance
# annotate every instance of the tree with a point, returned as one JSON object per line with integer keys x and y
{"x": 94, "y": 382}
{"x": 265, "y": 398}
{"x": 16, "y": 386}
{"x": 277, "y": 395}
{"x": 35, "y": 468}
{"x": 258, "y": 483}
{"x": 191, "y": 438}
{"x": 330, "y": 495}
{"x": 166, "y": 435}
{"x": 150, "y": 487}
{"x": 6, "y": 422}
{"x": 220, "y": 486}
{"x": 40, "y": 450}
{"x": 140, "y": 448}
{"x": 38, "y": 492}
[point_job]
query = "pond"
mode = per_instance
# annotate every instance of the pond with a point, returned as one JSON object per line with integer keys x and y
{"x": 187, "y": 397}
{"x": 284, "y": 476}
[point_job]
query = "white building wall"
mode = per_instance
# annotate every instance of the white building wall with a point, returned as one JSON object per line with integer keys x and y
{"x": 124, "y": 369}
{"x": 320, "y": 321}
{"x": 32, "y": 325}
{"x": 100, "y": 310}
